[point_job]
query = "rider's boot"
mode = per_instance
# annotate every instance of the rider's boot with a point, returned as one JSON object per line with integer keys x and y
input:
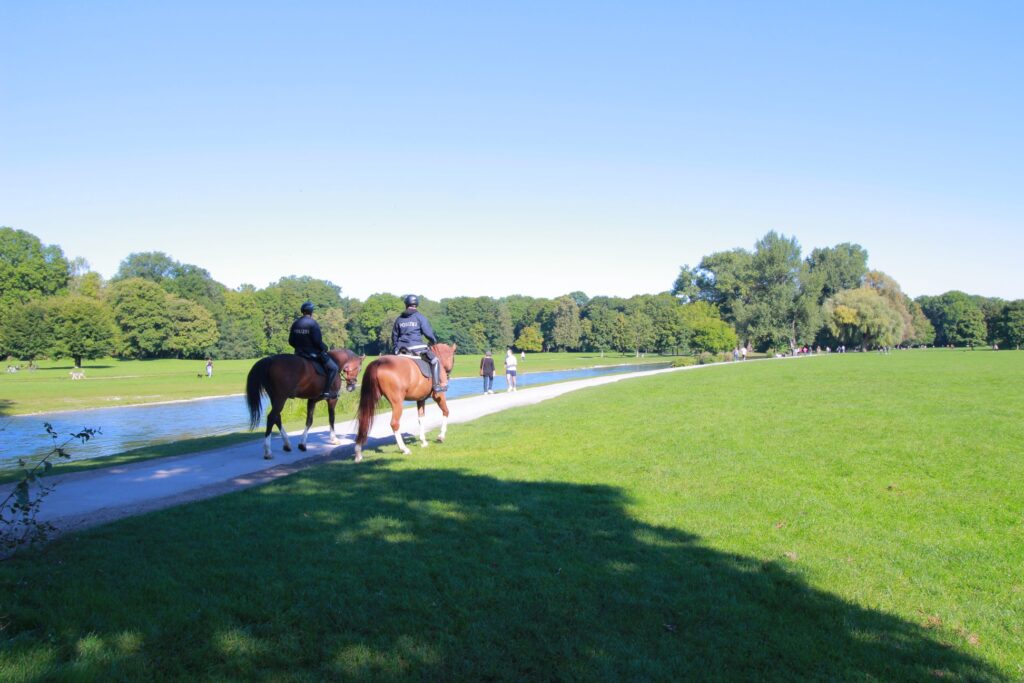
{"x": 435, "y": 376}
{"x": 329, "y": 393}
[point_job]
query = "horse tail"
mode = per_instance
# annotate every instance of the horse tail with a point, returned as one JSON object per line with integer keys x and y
{"x": 369, "y": 397}
{"x": 254, "y": 391}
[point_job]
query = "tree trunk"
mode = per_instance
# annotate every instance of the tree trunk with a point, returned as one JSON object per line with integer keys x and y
{"x": 78, "y": 361}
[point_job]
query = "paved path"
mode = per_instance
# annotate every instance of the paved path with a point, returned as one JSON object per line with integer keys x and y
{"x": 94, "y": 497}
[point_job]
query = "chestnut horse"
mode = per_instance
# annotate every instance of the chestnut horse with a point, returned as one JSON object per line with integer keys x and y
{"x": 398, "y": 378}
{"x": 287, "y": 376}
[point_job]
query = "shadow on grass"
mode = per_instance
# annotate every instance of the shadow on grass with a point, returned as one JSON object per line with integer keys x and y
{"x": 368, "y": 573}
{"x": 5, "y": 407}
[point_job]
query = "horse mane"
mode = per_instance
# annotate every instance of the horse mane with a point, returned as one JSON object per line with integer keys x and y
{"x": 446, "y": 353}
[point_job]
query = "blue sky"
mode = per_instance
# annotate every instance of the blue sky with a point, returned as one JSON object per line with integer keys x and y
{"x": 534, "y": 148}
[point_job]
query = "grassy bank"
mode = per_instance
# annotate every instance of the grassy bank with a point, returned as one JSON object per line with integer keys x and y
{"x": 842, "y": 518}
{"x": 110, "y": 382}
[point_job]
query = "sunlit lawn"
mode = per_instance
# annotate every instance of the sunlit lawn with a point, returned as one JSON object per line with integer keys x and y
{"x": 852, "y": 517}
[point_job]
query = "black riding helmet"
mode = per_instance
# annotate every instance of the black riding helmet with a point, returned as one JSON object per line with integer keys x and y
{"x": 412, "y": 300}
{"x": 307, "y": 307}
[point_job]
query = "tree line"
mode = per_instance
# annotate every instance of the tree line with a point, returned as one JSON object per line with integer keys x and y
{"x": 769, "y": 298}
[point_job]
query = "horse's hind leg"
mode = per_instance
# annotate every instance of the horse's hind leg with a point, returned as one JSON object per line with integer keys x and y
{"x": 396, "y": 423}
{"x": 267, "y": 454}
{"x": 274, "y": 418}
{"x": 310, "y": 405}
{"x": 420, "y": 410}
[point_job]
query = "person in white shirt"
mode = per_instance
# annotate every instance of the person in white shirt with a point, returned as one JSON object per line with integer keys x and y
{"x": 510, "y": 369}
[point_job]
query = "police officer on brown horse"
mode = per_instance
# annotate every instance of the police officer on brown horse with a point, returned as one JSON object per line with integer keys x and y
{"x": 410, "y": 328}
{"x": 305, "y": 338}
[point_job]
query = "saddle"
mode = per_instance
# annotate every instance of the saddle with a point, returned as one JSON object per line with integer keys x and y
{"x": 317, "y": 365}
{"x": 423, "y": 365}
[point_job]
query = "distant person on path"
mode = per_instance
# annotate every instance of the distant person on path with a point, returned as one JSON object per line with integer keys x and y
{"x": 522, "y": 355}
{"x": 487, "y": 372}
{"x": 306, "y": 339}
{"x": 736, "y": 353}
{"x": 743, "y": 352}
{"x": 510, "y": 370}
{"x": 209, "y": 368}
{"x": 410, "y": 328}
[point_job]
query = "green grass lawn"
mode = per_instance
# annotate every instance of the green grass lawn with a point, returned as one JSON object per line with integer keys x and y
{"x": 856, "y": 517}
{"x": 111, "y": 382}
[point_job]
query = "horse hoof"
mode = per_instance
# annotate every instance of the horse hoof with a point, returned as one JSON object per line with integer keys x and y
{"x": 406, "y": 451}
{"x": 334, "y": 441}
{"x": 359, "y": 457}
{"x": 302, "y": 447}
{"x": 440, "y": 439}
{"x": 424, "y": 444}
{"x": 268, "y": 456}
{"x": 287, "y": 449}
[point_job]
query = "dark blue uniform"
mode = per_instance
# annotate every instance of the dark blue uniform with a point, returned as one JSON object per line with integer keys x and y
{"x": 410, "y": 328}
{"x": 307, "y": 341}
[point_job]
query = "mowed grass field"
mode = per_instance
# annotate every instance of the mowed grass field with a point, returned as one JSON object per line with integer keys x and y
{"x": 856, "y": 517}
{"x": 110, "y": 382}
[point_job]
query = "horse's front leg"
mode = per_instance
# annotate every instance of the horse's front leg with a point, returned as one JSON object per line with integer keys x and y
{"x": 421, "y": 409}
{"x": 442, "y": 402}
{"x": 396, "y": 423}
{"x": 310, "y": 407}
{"x": 330, "y": 416}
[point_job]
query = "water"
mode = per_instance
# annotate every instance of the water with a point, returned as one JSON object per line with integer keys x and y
{"x": 129, "y": 427}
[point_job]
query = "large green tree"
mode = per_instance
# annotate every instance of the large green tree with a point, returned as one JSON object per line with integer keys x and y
{"x": 365, "y": 325}
{"x": 565, "y": 328}
{"x": 83, "y": 328}
{"x": 241, "y": 327}
{"x": 770, "y": 314}
{"x": 863, "y": 317}
{"x": 530, "y": 339}
{"x": 28, "y": 269}
{"x": 840, "y": 267}
{"x": 1011, "y": 325}
{"x": 193, "y": 332}
{"x": 280, "y": 304}
{"x": 708, "y": 332}
{"x": 26, "y": 333}
{"x": 957, "y": 318}
{"x": 142, "y": 315}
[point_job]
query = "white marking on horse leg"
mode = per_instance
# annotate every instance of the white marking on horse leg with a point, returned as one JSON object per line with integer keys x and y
{"x": 267, "y": 455}
{"x": 334, "y": 438}
{"x": 359, "y": 453}
{"x": 284, "y": 437}
{"x": 401, "y": 443}
{"x": 305, "y": 433}
{"x": 423, "y": 432}
{"x": 444, "y": 428}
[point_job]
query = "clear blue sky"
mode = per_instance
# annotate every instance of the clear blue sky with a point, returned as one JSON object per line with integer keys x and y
{"x": 497, "y": 148}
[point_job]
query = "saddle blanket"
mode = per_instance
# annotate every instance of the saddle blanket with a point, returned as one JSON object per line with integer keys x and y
{"x": 423, "y": 365}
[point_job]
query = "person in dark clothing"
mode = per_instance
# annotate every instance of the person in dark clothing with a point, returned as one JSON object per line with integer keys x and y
{"x": 410, "y": 328}
{"x": 487, "y": 372}
{"x": 305, "y": 338}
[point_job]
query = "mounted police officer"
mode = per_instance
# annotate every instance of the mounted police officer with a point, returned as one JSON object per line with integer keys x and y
{"x": 305, "y": 338}
{"x": 410, "y": 328}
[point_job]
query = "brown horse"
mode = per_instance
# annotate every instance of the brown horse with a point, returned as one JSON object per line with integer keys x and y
{"x": 287, "y": 376}
{"x": 397, "y": 378}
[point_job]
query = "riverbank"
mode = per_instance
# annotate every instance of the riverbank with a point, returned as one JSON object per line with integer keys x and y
{"x": 115, "y": 383}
